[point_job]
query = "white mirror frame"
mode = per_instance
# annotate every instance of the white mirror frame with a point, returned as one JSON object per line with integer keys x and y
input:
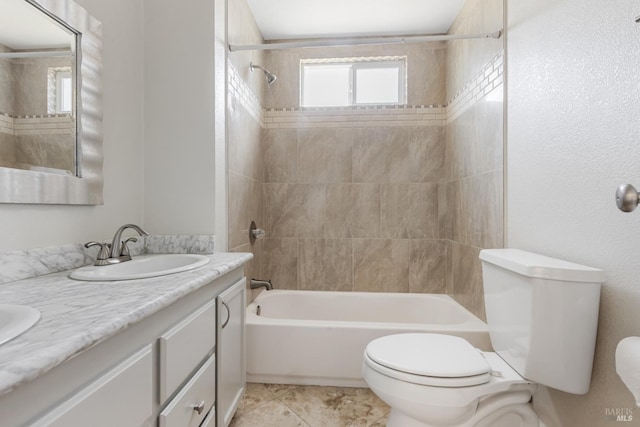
{"x": 23, "y": 186}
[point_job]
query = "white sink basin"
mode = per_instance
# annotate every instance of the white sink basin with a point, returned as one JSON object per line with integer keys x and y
{"x": 141, "y": 267}
{"x": 16, "y": 319}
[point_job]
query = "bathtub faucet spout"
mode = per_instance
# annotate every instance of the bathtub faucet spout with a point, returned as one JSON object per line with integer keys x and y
{"x": 256, "y": 283}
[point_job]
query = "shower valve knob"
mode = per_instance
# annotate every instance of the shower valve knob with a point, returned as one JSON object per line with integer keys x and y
{"x": 258, "y": 233}
{"x": 255, "y": 233}
{"x": 627, "y": 198}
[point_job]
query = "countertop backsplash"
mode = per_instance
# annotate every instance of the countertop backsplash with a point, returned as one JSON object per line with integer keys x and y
{"x": 27, "y": 263}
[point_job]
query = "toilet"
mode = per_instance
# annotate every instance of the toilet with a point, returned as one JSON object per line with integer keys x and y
{"x": 542, "y": 315}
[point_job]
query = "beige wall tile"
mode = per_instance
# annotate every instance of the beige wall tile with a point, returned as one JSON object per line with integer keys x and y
{"x": 53, "y": 151}
{"x": 427, "y": 153}
{"x": 478, "y": 216}
{"x": 426, "y": 69}
{"x": 252, "y": 267}
{"x": 409, "y": 211}
{"x": 445, "y": 226}
{"x": 295, "y": 210}
{"x": 467, "y": 279}
{"x": 428, "y": 266}
{"x": 381, "y": 265}
{"x": 245, "y": 205}
{"x": 474, "y": 140}
{"x": 449, "y": 273}
{"x": 381, "y": 155}
{"x": 324, "y": 155}
{"x": 325, "y": 264}
{"x": 280, "y": 262}
{"x": 7, "y": 148}
{"x": 485, "y": 193}
{"x": 284, "y": 93}
{"x": 353, "y": 210}
{"x": 245, "y": 147}
{"x": 280, "y": 155}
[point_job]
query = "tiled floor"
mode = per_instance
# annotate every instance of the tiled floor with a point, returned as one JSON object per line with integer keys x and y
{"x": 276, "y": 405}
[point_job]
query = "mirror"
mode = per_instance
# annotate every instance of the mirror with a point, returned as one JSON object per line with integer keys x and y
{"x": 37, "y": 108}
{"x": 50, "y": 103}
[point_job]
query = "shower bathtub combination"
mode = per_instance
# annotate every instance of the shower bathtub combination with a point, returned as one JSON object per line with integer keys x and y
{"x": 318, "y": 337}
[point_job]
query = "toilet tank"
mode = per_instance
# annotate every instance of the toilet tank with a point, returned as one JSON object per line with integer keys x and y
{"x": 543, "y": 316}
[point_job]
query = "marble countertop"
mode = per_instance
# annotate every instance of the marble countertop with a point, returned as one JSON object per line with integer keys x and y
{"x": 77, "y": 315}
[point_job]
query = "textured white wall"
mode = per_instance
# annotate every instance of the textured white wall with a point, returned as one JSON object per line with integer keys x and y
{"x": 573, "y": 137}
{"x": 179, "y": 117}
{"x": 30, "y": 226}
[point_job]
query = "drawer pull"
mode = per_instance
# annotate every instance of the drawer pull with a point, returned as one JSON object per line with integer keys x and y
{"x": 228, "y": 314}
{"x": 199, "y": 407}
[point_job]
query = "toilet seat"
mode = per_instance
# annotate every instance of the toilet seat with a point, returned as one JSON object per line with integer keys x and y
{"x": 428, "y": 359}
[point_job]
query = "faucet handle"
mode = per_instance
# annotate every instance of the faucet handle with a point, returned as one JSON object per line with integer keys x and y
{"x": 104, "y": 249}
{"x": 124, "y": 249}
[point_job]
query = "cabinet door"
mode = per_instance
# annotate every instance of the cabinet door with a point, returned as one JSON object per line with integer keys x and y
{"x": 122, "y": 397}
{"x": 230, "y": 351}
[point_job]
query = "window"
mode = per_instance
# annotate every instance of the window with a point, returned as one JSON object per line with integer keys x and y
{"x": 60, "y": 90}
{"x": 64, "y": 92}
{"x": 352, "y": 81}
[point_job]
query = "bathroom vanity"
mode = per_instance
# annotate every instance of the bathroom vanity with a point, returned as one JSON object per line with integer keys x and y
{"x": 165, "y": 351}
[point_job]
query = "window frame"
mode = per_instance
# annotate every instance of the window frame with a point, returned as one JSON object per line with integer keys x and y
{"x": 355, "y": 64}
{"x": 60, "y": 76}
{"x": 54, "y": 90}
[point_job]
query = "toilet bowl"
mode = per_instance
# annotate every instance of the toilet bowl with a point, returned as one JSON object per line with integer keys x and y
{"x": 539, "y": 333}
{"x": 442, "y": 380}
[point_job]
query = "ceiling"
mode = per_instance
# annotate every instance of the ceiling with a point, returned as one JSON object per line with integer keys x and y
{"x": 22, "y": 27}
{"x": 299, "y": 19}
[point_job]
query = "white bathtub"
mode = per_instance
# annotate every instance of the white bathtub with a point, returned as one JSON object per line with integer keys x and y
{"x": 318, "y": 338}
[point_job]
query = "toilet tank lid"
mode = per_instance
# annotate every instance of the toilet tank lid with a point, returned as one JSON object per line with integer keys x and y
{"x": 540, "y": 266}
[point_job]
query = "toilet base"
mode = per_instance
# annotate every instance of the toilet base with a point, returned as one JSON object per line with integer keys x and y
{"x": 519, "y": 415}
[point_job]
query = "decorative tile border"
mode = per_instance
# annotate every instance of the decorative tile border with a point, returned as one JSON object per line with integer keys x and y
{"x": 7, "y": 124}
{"x": 240, "y": 90}
{"x": 486, "y": 81}
{"x": 46, "y": 124}
{"x": 489, "y": 78}
{"x": 420, "y": 115}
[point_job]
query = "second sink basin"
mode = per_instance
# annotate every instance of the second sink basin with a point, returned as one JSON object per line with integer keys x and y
{"x": 141, "y": 267}
{"x": 16, "y": 319}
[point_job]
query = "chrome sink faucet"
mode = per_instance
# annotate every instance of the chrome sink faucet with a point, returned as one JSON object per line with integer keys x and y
{"x": 119, "y": 249}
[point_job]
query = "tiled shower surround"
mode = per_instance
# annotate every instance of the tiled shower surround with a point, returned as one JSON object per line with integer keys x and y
{"x": 395, "y": 199}
{"x": 46, "y": 140}
{"x": 29, "y": 135}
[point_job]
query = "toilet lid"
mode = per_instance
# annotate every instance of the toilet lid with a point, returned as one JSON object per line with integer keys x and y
{"x": 430, "y": 355}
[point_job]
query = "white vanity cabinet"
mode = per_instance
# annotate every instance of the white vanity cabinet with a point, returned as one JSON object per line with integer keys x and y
{"x": 176, "y": 368}
{"x": 230, "y": 353}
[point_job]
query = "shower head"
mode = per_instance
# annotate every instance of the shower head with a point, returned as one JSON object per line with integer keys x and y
{"x": 268, "y": 75}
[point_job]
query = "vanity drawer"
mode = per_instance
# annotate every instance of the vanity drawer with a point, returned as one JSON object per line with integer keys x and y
{"x": 184, "y": 346}
{"x": 210, "y": 421}
{"x": 198, "y": 393}
{"x": 122, "y": 397}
